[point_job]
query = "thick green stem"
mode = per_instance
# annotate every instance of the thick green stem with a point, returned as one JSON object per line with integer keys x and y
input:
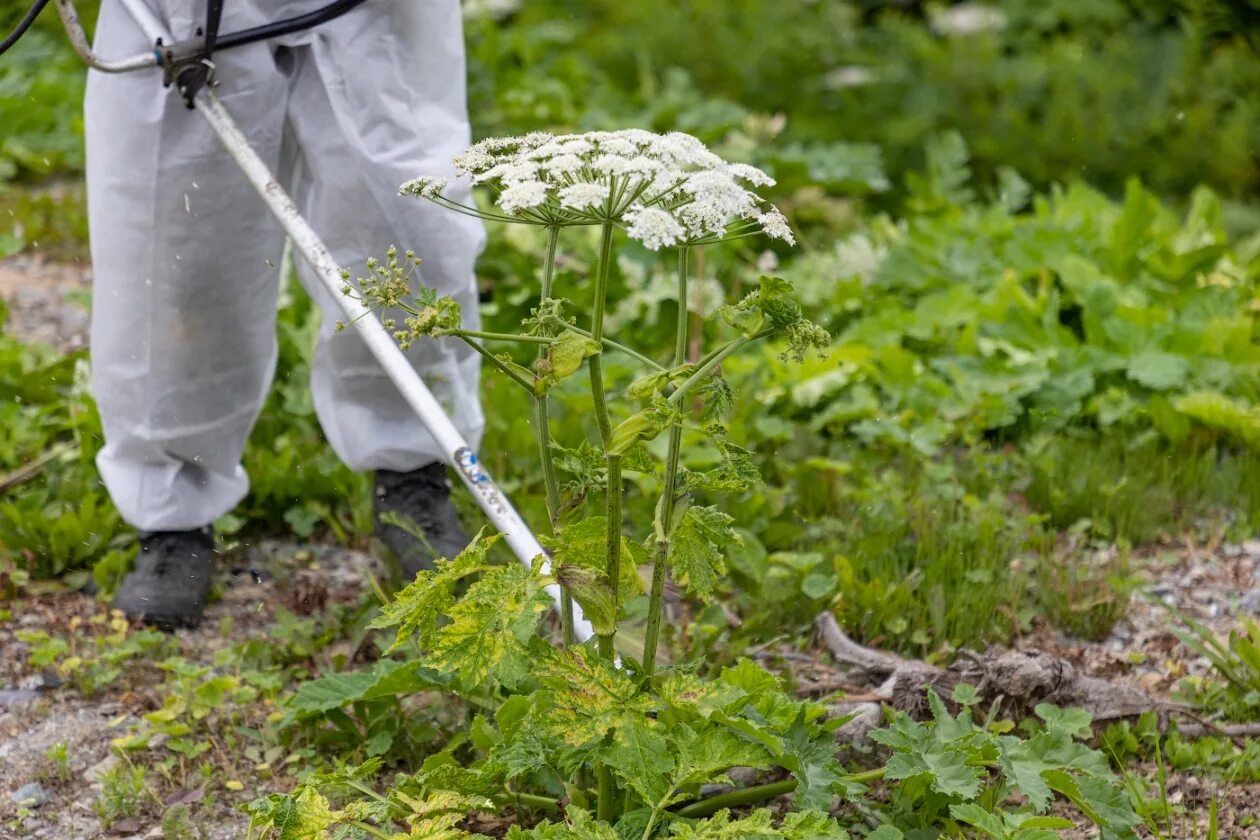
{"x": 612, "y": 562}
{"x": 612, "y": 567}
{"x": 605, "y": 793}
{"x": 542, "y": 429}
{"x": 660, "y": 560}
{"x": 530, "y": 800}
{"x": 744, "y": 796}
{"x": 680, "y": 334}
{"x": 760, "y": 793}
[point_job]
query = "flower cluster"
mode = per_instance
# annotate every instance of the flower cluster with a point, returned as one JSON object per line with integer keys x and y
{"x": 665, "y": 189}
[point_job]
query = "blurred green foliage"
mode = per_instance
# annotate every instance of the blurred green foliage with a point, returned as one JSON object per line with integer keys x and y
{"x": 1058, "y": 90}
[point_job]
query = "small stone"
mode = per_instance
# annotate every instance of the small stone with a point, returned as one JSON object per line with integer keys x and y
{"x": 1251, "y": 548}
{"x": 43, "y": 681}
{"x": 30, "y": 795}
{"x": 93, "y": 773}
{"x": 9, "y": 699}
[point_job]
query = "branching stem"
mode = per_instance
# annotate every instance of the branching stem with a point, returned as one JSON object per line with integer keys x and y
{"x": 711, "y": 361}
{"x": 498, "y": 364}
{"x": 494, "y": 336}
{"x": 607, "y": 342}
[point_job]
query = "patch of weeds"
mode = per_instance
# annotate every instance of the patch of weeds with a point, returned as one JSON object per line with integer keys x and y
{"x": 294, "y": 644}
{"x": 1083, "y": 589}
{"x": 49, "y": 220}
{"x": 1236, "y": 660}
{"x": 362, "y": 715}
{"x": 124, "y": 791}
{"x": 58, "y": 758}
{"x": 919, "y": 568}
{"x": 1116, "y": 489}
{"x": 177, "y": 824}
{"x": 96, "y": 652}
{"x": 1163, "y": 815}
{"x": 13, "y": 579}
{"x": 1144, "y": 741}
{"x": 955, "y": 771}
{"x": 197, "y": 732}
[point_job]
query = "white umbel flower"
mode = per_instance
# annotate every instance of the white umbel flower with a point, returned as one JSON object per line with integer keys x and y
{"x": 654, "y": 227}
{"x": 667, "y": 189}
{"x": 583, "y": 195}
{"x": 523, "y": 194}
{"x": 775, "y": 224}
{"x": 424, "y": 187}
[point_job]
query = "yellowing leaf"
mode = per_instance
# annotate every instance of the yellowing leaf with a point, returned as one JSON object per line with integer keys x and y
{"x": 490, "y": 628}
{"x": 416, "y": 609}
{"x": 590, "y": 696}
{"x": 568, "y": 351}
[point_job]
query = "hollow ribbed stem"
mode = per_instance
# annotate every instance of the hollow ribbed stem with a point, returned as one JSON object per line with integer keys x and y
{"x": 542, "y": 430}
{"x": 665, "y": 510}
{"x": 612, "y": 495}
{"x": 744, "y": 796}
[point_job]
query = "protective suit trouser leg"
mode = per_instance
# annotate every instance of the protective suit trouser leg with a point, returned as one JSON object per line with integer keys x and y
{"x": 185, "y": 262}
{"x": 390, "y": 78}
{"x": 185, "y": 255}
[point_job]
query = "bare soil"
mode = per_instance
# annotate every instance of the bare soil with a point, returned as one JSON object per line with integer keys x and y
{"x": 36, "y": 712}
{"x": 47, "y": 301}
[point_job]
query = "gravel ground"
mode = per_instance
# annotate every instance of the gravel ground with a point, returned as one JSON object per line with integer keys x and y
{"x": 47, "y": 301}
{"x": 36, "y": 712}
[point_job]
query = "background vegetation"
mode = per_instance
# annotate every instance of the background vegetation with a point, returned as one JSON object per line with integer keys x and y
{"x": 1000, "y": 226}
{"x": 1030, "y": 227}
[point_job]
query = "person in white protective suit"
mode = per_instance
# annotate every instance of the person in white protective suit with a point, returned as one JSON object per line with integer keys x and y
{"x": 185, "y": 259}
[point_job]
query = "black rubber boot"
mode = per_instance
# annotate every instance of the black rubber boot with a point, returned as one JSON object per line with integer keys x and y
{"x": 171, "y": 581}
{"x": 422, "y": 497}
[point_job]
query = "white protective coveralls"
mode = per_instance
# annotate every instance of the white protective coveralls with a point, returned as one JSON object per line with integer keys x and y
{"x": 185, "y": 254}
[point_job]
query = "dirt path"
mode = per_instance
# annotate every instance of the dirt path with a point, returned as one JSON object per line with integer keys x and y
{"x": 47, "y": 301}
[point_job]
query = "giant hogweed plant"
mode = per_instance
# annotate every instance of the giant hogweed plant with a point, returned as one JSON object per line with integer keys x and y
{"x": 595, "y": 745}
